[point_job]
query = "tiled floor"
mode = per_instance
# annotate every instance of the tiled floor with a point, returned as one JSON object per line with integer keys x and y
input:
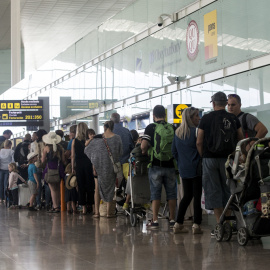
{"x": 38, "y": 240}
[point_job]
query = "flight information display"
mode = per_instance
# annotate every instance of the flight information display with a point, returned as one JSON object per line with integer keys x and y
{"x": 21, "y": 113}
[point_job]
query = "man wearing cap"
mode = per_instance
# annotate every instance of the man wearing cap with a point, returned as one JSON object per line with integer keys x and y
{"x": 216, "y": 191}
{"x": 6, "y": 136}
{"x": 251, "y": 126}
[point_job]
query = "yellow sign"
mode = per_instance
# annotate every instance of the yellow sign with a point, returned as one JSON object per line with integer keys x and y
{"x": 10, "y": 105}
{"x": 3, "y": 105}
{"x": 178, "y": 112}
{"x": 210, "y": 35}
{"x": 16, "y": 105}
{"x": 5, "y": 116}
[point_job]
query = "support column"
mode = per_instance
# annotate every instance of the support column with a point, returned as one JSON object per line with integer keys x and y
{"x": 15, "y": 41}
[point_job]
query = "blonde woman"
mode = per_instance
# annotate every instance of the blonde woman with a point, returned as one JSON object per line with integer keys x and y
{"x": 83, "y": 170}
{"x": 6, "y": 157}
{"x": 185, "y": 152}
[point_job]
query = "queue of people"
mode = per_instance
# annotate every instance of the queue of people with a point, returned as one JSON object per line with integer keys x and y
{"x": 91, "y": 164}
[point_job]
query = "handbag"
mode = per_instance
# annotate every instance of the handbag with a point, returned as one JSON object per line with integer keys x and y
{"x": 52, "y": 176}
{"x": 117, "y": 167}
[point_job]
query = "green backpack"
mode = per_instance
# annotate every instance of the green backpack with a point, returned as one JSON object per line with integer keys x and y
{"x": 163, "y": 138}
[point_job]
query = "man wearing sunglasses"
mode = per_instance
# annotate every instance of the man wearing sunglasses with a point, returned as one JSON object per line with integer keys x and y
{"x": 251, "y": 126}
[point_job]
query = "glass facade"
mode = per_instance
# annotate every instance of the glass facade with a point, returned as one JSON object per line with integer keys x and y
{"x": 220, "y": 35}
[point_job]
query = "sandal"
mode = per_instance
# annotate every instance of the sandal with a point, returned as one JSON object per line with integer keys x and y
{"x": 96, "y": 216}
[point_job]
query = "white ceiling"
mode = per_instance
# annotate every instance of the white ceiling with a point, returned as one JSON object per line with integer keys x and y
{"x": 50, "y": 26}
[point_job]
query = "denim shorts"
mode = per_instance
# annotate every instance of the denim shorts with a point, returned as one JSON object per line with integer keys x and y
{"x": 167, "y": 177}
{"x": 214, "y": 179}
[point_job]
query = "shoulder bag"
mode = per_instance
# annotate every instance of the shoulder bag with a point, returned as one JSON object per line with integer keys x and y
{"x": 52, "y": 176}
{"x": 117, "y": 167}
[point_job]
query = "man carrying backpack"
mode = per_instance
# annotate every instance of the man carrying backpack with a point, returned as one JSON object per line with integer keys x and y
{"x": 251, "y": 126}
{"x": 20, "y": 155}
{"x": 218, "y": 134}
{"x": 157, "y": 140}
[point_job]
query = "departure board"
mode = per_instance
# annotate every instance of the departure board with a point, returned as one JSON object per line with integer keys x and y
{"x": 21, "y": 113}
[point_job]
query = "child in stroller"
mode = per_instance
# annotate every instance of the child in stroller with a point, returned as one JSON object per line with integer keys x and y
{"x": 247, "y": 182}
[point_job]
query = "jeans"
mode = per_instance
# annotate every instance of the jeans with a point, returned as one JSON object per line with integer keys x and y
{"x": 39, "y": 176}
{"x": 166, "y": 176}
{"x": 14, "y": 193}
{"x": 47, "y": 195}
{"x": 3, "y": 183}
{"x": 192, "y": 189}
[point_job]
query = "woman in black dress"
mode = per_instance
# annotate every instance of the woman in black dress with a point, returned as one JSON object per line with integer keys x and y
{"x": 83, "y": 170}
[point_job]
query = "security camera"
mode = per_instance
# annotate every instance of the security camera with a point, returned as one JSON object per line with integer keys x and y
{"x": 176, "y": 79}
{"x": 173, "y": 17}
{"x": 160, "y": 21}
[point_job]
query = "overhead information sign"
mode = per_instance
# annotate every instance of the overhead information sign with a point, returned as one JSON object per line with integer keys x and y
{"x": 21, "y": 124}
{"x": 174, "y": 113}
{"x": 84, "y": 104}
{"x": 21, "y": 115}
{"x": 21, "y": 104}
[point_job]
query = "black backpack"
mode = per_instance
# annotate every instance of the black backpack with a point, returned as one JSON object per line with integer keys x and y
{"x": 223, "y": 134}
{"x": 21, "y": 152}
{"x": 139, "y": 161}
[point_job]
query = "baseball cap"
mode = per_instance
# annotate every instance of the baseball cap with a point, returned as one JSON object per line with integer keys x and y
{"x": 219, "y": 96}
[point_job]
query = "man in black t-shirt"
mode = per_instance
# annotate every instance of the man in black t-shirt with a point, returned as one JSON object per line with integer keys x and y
{"x": 161, "y": 172}
{"x": 216, "y": 191}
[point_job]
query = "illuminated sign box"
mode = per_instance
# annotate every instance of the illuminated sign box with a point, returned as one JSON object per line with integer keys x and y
{"x": 21, "y": 115}
{"x": 21, "y": 104}
{"x": 174, "y": 112}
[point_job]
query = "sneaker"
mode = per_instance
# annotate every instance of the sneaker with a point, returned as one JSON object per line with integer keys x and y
{"x": 179, "y": 228}
{"x": 213, "y": 233}
{"x": 31, "y": 208}
{"x": 171, "y": 222}
{"x": 196, "y": 229}
{"x": 152, "y": 225}
{"x": 125, "y": 206}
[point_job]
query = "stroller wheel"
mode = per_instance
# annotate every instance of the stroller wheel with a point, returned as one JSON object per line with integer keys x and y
{"x": 219, "y": 232}
{"x": 133, "y": 218}
{"x": 227, "y": 231}
{"x": 242, "y": 236}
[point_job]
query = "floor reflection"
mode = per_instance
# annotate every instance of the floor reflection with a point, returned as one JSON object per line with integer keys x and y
{"x": 38, "y": 240}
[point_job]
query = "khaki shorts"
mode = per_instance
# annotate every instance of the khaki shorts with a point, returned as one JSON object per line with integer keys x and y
{"x": 33, "y": 188}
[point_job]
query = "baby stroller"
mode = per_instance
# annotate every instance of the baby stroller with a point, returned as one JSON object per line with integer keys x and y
{"x": 249, "y": 182}
{"x": 138, "y": 185}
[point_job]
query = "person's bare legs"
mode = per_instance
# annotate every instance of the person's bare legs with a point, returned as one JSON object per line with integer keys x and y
{"x": 172, "y": 206}
{"x": 32, "y": 200}
{"x": 97, "y": 198}
{"x": 218, "y": 212}
{"x": 55, "y": 193}
{"x": 73, "y": 204}
{"x": 110, "y": 206}
{"x": 155, "y": 209}
{"x": 128, "y": 198}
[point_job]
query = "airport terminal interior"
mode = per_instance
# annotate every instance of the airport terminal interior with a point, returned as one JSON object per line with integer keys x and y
{"x": 64, "y": 62}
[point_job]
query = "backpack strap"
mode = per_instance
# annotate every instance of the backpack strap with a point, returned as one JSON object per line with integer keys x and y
{"x": 244, "y": 123}
{"x": 151, "y": 150}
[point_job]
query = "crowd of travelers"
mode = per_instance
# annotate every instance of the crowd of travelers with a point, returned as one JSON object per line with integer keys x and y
{"x": 93, "y": 165}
